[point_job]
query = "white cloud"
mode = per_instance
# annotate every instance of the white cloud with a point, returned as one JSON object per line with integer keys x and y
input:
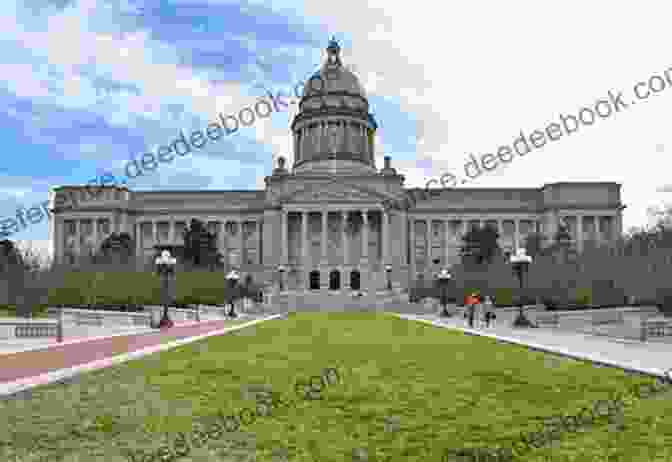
{"x": 478, "y": 72}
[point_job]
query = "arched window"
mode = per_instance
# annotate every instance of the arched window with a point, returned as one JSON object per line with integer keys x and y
{"x": 355, "y": 280}
{"x": 334, "y": 280}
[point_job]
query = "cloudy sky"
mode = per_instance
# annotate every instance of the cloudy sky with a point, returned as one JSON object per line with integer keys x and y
{"x": 88, "y": 85}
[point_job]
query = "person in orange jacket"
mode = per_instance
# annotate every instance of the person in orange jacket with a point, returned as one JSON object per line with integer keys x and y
{"x": 472, "y": 301}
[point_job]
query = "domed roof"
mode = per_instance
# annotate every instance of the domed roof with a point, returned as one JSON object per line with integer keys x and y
{"x": 333, "y": 77}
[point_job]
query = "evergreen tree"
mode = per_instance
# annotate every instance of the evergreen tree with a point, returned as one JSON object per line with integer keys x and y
{"x": 117, "y": 248}
{"x": 200, "y": 246}
{"x": 480, "y": 245}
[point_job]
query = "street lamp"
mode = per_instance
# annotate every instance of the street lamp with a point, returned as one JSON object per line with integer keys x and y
{"x": 388, "y": 271}
{"x": 444, "y": 278}
{"x": 232, "y": 281}
{"x": 281, "y": 270}
{"x": 165, "y": 267}
{"x": 520, "y": 262}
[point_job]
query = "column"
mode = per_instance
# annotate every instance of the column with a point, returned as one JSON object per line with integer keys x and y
{"x": 346, "y": 136}
{"x": 302, "y": 143}
{"x": 446, "y": 240}
{"x": 325, "y": 219}
{"x": 516, "y": 233}
{"x": 320, "y": 136}
{"x": 365, "y": 235}
{"x": 241, "y": 243}
{"x": 304, "y": 240}
{"x": 171, "y": 232}
{"x": 344, "y": 237}
{"x": 365, "y": 142}
{"x": 138, "y": 239}
{"x": 297, "y": 154}
{"x": 596, "y": 224}
{"x": 428, "y": 244}
{"x": 95, "y": 234}
{"x": 579, "y": 233}
{"x": 284, "y": 245}
{"x": 259, "y": 239}
{"x": 58, "y": 239}
{"x": 411, "y": 232}
{"x": 618, "y": 226}
{"x": 385, "y": 231}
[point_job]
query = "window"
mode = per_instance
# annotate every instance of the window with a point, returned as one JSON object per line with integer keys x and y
{"x": 70, "y": 227}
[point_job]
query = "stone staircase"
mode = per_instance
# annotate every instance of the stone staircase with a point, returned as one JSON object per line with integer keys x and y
{"x": 345, "y": 301}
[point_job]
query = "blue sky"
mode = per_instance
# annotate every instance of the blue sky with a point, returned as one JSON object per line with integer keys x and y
{"x": 90, "y": 84}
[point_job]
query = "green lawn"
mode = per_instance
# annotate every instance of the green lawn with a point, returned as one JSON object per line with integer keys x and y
{"x": 407, "y": 391}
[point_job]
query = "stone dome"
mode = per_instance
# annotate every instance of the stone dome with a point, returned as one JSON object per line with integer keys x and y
{"x": 333, "y": 130}
{"x": 333, "y": 86}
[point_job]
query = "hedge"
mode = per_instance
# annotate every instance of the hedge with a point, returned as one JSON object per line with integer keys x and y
{"x": 141, "y": 288}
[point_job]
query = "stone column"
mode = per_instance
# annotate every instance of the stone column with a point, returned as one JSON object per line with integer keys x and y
{"x": 446, "y": 242}
{"x": 365, "y": 236}
{"x": 365, "y": 143}
{"x": 284, "y": 244}
{"x": 579, "y": 233}
{"x": 241, "y": 243}
{"x": 428, "y": 244}
{"x": 138, "y": 239}
{"x": 305, "y": 254}
{"x": 171, "y": 232}
{"x": 297, "y": 153}
{"x": 411, "y": 232}
{"x": 344, "y": 238}
{"x": 596, "y": 224}
{"x": 95, "y": 233}
{"x": 385, "y": 231}
{"x": 618, "y": 226}
{"x": 259, "y": 239}
{"x": 346, "y": 136}
{"x": 325, "y": 220}
{"x": 516, "y": 234}
{"x": 59, "y": 241}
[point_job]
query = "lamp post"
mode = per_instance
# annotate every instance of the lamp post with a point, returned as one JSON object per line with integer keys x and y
{"x": 520, "y": 262}
{"x": 444, "y": 278}
{"x": 281, "y": 270}
{"x": 232, "y": 282}
{"x": 388, "y": 271}
{"x": 165, "y": 267}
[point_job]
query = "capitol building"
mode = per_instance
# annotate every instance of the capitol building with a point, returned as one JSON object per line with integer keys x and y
{"x": 325, "y": 222}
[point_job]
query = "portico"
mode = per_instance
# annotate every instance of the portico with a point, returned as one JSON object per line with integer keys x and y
{"x": 332, "y": 238}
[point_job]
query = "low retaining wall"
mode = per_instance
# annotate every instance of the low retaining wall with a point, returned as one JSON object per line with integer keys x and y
{"x": 100, "y": 318}
{"x": 13, "y": 328}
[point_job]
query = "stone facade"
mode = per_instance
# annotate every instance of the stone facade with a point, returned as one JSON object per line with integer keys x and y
{"x": 328, "y": 215}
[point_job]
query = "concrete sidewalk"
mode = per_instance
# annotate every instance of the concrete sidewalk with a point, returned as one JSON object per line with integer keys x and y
{"x": 653, "y": 359}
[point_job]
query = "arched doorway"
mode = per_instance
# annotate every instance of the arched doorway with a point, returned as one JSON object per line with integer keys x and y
{"x": 355, "y": 279}
{"x": 314, "y": 283}
{"x": 335, "y": 280}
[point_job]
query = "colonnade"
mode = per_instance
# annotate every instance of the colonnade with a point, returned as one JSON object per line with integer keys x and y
{"x": 344, "y": 238}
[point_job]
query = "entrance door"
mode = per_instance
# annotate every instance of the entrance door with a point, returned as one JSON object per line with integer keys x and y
{"x": 314, "y": 280}
{"x": 355, "y": 280}
{"x": 334, "y": 280}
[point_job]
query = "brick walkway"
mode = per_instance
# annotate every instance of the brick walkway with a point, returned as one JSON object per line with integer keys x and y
{"x": 17, "y": 366}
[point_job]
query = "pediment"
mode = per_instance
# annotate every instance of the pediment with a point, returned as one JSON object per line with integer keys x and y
{"x": 334, "y": 192}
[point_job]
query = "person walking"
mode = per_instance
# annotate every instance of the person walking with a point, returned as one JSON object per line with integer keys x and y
{"x": 489, "y": 311}
{"x": 472, "y": 300}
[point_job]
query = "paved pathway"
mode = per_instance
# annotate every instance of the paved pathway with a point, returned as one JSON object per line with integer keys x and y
{"x": 643, "y": 357}
{"x": 15, "y": 366}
